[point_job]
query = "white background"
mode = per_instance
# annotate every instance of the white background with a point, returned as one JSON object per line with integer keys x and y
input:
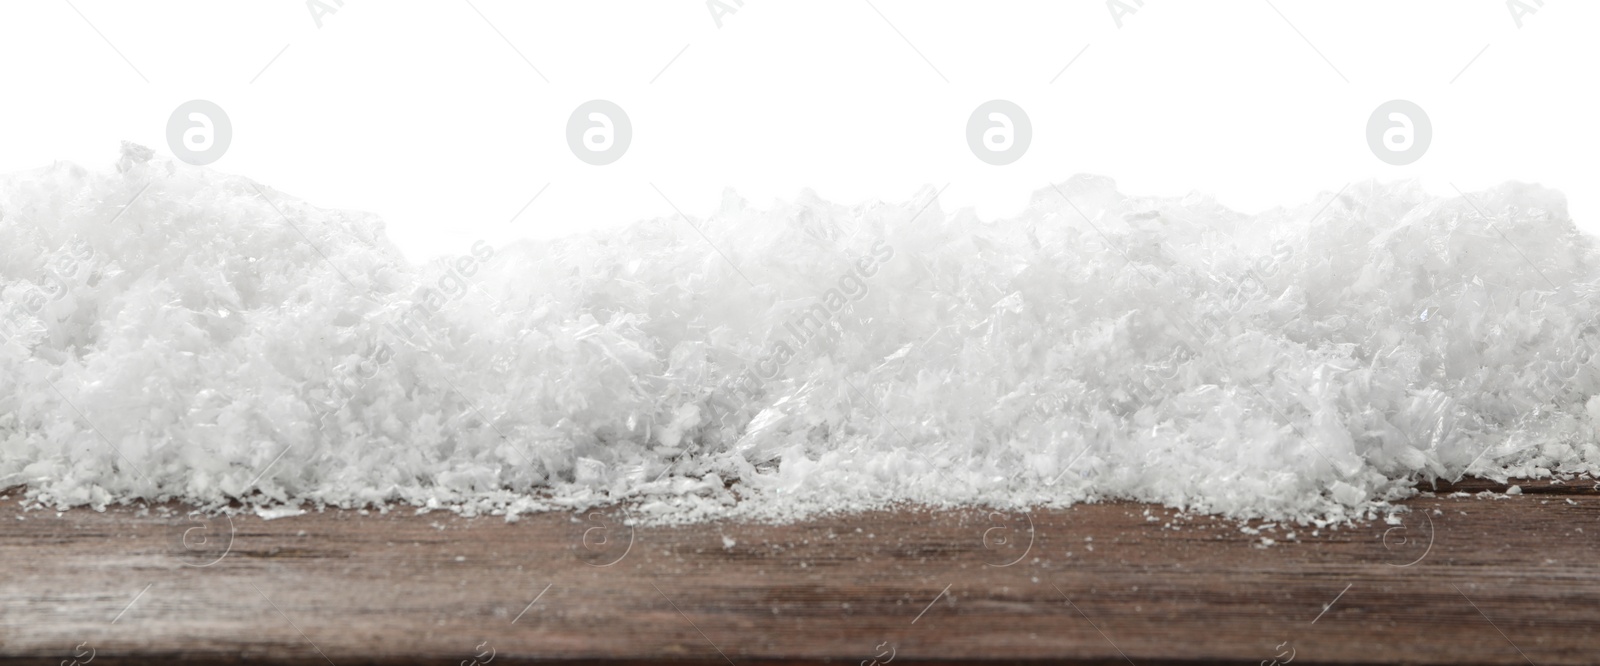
{"x": 421, "y": 112}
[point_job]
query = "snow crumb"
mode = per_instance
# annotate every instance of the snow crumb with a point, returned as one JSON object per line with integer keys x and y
{"x": 1306, "y": 365}
{"x": 728, "y": 542}
{"x": 274, "y": 513}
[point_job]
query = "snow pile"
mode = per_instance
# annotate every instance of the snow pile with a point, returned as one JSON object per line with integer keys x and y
{"x": 215, "y": 340}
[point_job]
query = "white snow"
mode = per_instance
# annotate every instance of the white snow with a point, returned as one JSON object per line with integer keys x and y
{"x": 217, "y": 340}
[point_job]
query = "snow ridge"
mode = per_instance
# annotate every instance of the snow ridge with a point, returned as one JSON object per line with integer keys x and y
{"x": 173, "y": 332}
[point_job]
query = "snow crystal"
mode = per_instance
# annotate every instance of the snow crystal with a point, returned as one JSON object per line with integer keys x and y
{"x": 172, "y": 332}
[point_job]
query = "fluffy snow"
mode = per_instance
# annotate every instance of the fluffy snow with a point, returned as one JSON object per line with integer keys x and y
{"x": 218, "y": 341}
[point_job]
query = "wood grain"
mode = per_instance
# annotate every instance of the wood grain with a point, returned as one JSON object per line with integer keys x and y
{"x": 1463, "y": 580}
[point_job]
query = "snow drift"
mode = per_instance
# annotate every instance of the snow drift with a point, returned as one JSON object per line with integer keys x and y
{"x": 174, "y": 332}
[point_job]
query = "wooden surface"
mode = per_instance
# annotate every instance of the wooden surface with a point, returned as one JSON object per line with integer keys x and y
{"x": 1475, "y": 580}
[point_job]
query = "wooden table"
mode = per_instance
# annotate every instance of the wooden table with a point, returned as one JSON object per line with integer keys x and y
{"x": 1463, "y": 580}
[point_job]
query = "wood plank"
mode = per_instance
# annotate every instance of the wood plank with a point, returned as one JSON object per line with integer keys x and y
{"x": 1480, "y": 581}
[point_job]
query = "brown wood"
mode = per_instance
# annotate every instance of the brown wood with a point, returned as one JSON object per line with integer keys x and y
{"x": 1503, "y": 577}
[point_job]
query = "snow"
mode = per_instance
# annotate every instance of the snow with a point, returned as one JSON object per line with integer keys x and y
{"x": 215, "y": 340}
